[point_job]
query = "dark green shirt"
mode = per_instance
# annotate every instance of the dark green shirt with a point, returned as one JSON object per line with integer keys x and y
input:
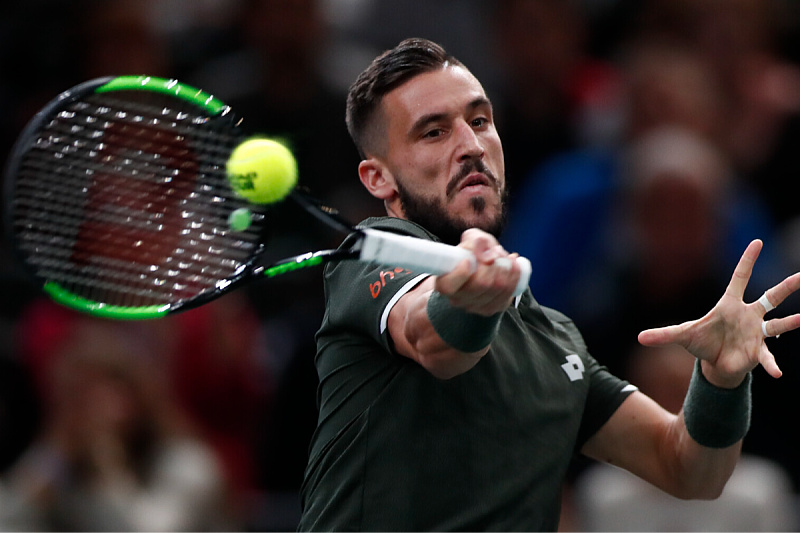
{"x": 398, "y": 449}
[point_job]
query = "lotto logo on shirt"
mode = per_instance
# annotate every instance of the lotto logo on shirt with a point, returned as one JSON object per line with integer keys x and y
{"x": 383, "y": 277}
{"x": 574, "y": 367}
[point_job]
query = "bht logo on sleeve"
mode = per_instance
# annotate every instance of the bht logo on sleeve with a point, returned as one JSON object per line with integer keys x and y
{"x": 383, "y": 276}
{"x": 573, "y": 367}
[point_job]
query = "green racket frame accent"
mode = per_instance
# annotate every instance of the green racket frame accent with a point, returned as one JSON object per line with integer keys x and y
{"x": 168, "y": 86}
{"x": 62, "y": 296}
{"x": 303, "y": 261}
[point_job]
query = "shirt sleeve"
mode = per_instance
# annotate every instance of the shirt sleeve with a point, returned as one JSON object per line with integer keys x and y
{"x": 606, "y": 394}
{"x": 361, "y": 295}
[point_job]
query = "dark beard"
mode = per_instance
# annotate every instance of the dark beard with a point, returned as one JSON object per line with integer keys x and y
{"x": 433, "y": 216}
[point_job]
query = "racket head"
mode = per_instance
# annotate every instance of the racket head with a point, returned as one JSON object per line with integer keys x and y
{"x": 117, "y": 203}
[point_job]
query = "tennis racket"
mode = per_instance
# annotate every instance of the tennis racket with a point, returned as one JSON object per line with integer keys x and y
{"x": 118, "y": 204}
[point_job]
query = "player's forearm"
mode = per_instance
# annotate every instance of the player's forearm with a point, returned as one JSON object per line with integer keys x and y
{"x": 415, "y": 337}
{"x": 448, "y": 363}
{"x": 654, "y": 444}
{"x": 700, "y": 472}
{"x": 709, "y": 430}
{"x": 429, "y": 349}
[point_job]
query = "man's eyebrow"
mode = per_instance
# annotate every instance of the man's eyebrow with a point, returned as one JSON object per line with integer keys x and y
{"x": 479, "y": 102}
{"x": 424, "y": 121}
{"x": 431, "y": 118}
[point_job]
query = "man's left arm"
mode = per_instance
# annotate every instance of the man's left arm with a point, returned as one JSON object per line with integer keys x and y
{"x": 693, "y": 453}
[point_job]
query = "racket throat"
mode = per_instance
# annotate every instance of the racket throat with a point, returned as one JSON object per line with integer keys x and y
{"x": 307, "y": 260}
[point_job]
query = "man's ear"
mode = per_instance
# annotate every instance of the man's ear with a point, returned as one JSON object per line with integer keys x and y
{"x": 378, "y": 179}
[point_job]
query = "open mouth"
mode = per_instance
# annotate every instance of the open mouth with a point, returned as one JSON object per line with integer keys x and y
{"x": 475, "y": 179}
{"x": 473, "y": 175}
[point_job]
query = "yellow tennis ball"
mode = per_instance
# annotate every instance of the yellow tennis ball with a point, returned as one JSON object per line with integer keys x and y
{"x": 262, "y": 170}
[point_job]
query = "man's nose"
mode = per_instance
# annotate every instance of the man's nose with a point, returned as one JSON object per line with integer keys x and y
{"x": 469, "y": 145}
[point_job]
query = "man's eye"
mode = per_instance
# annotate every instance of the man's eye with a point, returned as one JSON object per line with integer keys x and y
{"x": 479, "y": 122}
{"x": 433, "y": 134}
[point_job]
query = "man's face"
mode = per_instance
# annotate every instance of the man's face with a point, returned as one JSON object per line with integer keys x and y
{"x": 444, "y": 153}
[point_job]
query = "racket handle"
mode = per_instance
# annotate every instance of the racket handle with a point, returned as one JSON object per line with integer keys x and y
{"x": 427, "y": 256}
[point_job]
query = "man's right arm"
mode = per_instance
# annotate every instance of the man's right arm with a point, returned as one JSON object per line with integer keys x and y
{"x": 446, "y": 323}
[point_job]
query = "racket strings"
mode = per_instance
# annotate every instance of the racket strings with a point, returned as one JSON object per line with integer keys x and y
{"x": 145, "y": 156}
{"x": 62, "y": 196}
{"x": 126, "y": 202}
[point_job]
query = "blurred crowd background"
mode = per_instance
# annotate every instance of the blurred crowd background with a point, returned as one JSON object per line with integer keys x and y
{"x": 646, "y": 142}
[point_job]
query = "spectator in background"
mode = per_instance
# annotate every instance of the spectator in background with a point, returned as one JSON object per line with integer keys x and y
{"x": 549, "y": 82}
{"x": 563, "y": 215}
{"x": 741, "y": 42}
{"x": 120, "y": 38}
{"x": 674, "y": 187}
{"x": 115, "y": 452}
{"x": 216, "y": 372}
{"x": 220, "y": 373}
{"x": 668, "y": 83}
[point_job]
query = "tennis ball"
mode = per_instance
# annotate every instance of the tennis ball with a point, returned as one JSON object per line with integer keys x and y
{"x": 240, "y": 219}
{"x": 262, "y": 170}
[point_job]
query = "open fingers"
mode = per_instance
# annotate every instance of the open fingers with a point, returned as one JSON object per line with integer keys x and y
{"x": 767, "y": 360}
{"x": 779, "y": 326}
{"x": 744, "y": 269}
{"x": 777, "y": 294}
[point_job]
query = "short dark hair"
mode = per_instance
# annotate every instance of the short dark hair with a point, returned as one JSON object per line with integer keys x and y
{"x": 386, "y": 72}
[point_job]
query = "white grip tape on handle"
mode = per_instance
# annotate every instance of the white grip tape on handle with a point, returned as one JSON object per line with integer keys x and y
{"x": 423, "y": 255}
{"x": 525, "y": 269}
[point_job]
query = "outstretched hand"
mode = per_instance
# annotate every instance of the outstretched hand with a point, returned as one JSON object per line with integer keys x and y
{"x": 730, "y": 339}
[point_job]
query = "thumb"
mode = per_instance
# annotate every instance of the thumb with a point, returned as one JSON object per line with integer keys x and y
{"x": 663, "y": 336}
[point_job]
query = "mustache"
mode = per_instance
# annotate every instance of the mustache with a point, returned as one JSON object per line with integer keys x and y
{"x": 470, "y": 166}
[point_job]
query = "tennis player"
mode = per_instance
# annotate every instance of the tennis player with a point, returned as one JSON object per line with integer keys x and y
{"x": 447, "y": 404}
